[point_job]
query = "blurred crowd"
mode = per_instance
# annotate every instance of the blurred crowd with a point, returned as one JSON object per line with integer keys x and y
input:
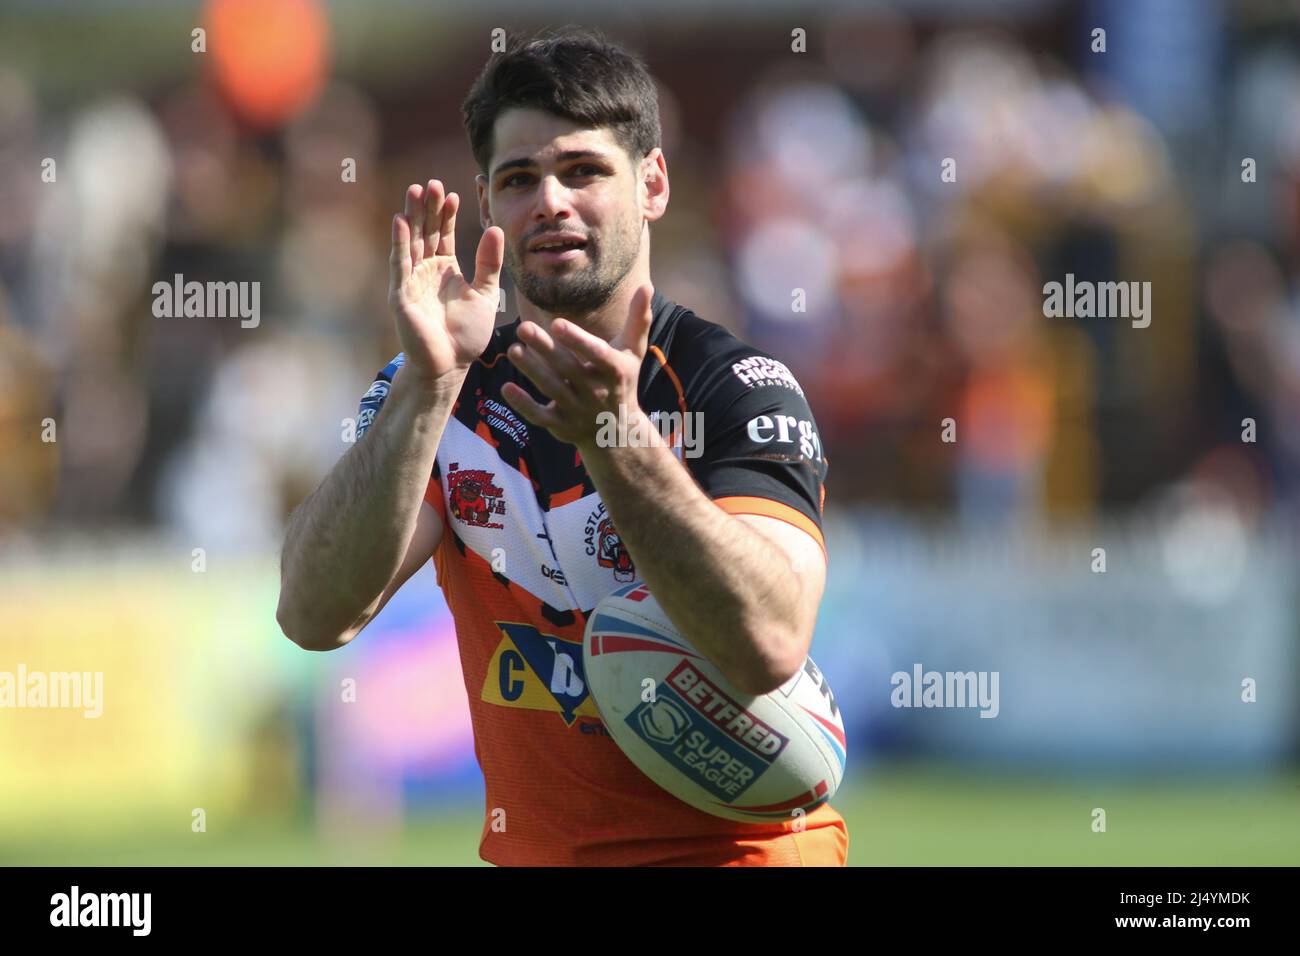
{"x": 916, "y": 183}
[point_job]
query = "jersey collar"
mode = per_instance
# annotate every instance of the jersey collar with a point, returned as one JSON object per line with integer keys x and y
{"x": 661, "y": 307}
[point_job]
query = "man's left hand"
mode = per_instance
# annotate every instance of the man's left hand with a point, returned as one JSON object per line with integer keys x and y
{"x": 582, "y": 374}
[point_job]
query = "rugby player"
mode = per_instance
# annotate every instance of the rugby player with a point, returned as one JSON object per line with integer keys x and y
{"x": 489, "y": 458}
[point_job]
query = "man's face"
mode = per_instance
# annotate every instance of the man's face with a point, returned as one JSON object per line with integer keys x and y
{"x": 551, "y": 180}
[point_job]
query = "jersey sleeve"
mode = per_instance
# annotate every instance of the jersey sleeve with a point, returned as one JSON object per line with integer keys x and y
{"x": 377, "y": 394}
{"x": 371, "y": 403}
{"x": 760, "y": 452}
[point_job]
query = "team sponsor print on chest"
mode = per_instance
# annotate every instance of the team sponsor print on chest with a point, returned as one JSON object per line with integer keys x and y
{"x": 493, "y": 509}
{"x": 569, "y": 557}
{"x": 473, "y": 498}
{"x": 537, "y": 670}
{"x": 603, "y": 543}
{"x": 590, "y": 549}
{"x": 502, "y": 418}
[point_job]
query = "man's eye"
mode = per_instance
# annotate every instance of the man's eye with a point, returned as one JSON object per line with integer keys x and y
{"x": 586, "y": 169}
{"x": 516, "y": 180}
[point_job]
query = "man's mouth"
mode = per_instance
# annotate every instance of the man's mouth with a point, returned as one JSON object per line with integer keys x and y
{"x": 557, "y": 248}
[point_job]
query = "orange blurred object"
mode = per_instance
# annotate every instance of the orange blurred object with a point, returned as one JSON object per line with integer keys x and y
{"x": 268, "y": 56}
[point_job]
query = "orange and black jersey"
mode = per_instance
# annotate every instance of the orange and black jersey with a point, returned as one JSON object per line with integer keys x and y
{"x": 529, "y": 549}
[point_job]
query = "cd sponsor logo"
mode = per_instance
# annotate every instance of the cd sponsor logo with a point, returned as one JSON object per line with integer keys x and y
{"x": 538, "y": 671}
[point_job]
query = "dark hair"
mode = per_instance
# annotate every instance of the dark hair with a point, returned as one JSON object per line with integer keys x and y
{"x": 574, "y": 73}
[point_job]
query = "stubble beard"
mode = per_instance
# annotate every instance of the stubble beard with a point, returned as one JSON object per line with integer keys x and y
{"x": 577, "y": 292}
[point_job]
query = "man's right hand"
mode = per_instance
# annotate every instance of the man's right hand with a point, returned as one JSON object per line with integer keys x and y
{"x": 444, "y": 322}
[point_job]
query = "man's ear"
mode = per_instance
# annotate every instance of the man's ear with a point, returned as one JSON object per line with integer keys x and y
{"x": 484, "y": 211}
{"x": 654, "y": 180}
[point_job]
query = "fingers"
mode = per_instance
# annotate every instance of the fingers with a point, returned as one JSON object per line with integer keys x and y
{"x": 547, "y": 379}
{"x": 447, "y": 226}
{"x": 487, "y": 262}
{"x": 415, "y": 217}
{"x": 433, "y": 203}
{"x": 427, "y": 212}
{"x": 581, "y": 343}
{"x": 399, "y": 259}
{"x": 561, "y": 359}
{"x": 544, "y": 416}
{"x": 636, "y": 332}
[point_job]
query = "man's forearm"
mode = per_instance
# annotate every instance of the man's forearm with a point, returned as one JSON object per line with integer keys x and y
{"x": 347, "y": 540}
{"x": 727, "y": 588}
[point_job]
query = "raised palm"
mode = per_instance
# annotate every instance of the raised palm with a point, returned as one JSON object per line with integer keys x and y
{"x": 444, "y": 321}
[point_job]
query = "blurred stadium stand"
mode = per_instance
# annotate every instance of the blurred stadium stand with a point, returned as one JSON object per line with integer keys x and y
{"x": 818, "y": 171}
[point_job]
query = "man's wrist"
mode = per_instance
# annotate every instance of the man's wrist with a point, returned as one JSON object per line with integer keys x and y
{"x": 431, "y": 398}
{"x": 431, "y": 388}
{"x": 624, "y": 427}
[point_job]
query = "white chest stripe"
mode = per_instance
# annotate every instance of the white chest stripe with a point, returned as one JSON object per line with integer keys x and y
{"x": 515, "y": 548}
{"x": 589, "y": 560}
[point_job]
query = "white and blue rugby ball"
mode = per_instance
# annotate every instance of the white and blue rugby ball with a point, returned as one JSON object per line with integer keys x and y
{"x": 754, "y": 759}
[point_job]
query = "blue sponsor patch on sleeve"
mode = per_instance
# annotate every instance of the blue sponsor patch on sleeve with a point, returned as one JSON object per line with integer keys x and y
{"x": 377, "y": 394}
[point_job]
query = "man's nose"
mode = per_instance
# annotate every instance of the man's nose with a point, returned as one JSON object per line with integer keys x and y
{"x": 552, "y": 199}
